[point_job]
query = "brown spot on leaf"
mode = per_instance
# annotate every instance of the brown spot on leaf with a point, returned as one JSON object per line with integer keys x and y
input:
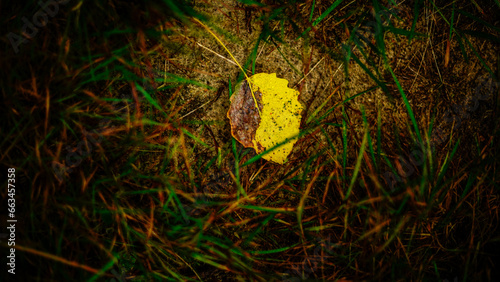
{"x": 243, "y": 115}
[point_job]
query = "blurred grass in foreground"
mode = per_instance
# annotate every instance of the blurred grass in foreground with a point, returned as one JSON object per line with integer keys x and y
{"x": 110, "y": 183}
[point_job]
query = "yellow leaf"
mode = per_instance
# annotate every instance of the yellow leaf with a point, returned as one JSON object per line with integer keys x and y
{"x": 279, "y": 121}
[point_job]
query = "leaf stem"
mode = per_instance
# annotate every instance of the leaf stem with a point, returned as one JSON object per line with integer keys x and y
{"x": 248, "y": 79}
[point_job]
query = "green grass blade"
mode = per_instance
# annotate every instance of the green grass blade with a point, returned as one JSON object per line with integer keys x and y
{"x": 321, "y": 17}
{"x": 358, "y": 164}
